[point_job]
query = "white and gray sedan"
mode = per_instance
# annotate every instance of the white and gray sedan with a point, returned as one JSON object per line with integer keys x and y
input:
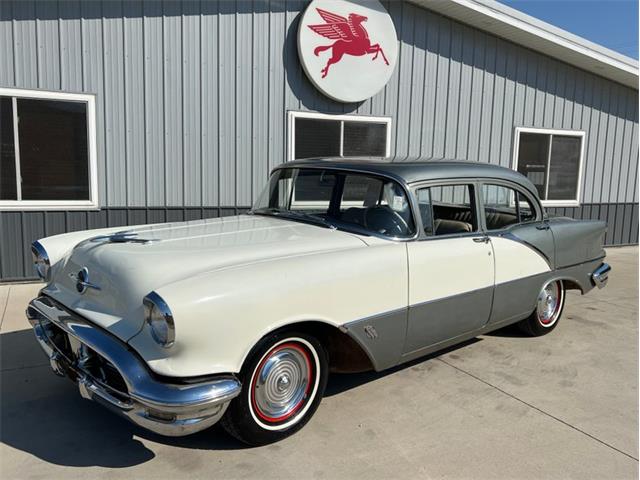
{"x": 341, "y": 266}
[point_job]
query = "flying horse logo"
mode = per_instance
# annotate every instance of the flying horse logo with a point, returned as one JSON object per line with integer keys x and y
{"x": 351, "y": 38}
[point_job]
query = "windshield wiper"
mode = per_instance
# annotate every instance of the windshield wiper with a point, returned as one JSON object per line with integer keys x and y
{"x": 279, "y": 212}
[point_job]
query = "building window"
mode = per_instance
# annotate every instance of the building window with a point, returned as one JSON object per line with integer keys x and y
{"x": 47, "y": 150}
{"x": 552, "y": 160}
{"x": 319, "y": 135}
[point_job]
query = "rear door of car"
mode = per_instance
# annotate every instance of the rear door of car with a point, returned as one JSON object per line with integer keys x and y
{"x": 523, "y": 247}
{"x": 451, "y": 271}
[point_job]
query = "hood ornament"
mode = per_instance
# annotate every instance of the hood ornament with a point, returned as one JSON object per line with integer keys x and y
{"x": 122, "y": 237}
{"x": 82, "y": 281}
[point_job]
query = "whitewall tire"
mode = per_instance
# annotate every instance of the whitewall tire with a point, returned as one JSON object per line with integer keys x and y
{"x": 283, "y": 381}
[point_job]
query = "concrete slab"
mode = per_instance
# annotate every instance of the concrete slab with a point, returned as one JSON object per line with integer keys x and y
{"x": 19, "y": 295}
{"x": 4, "y": 297}
{"x": 501, "y": 406}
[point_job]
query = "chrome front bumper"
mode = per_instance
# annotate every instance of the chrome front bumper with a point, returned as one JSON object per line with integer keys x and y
{"x": 77, "y": 349}
{"x": 600, "y": 275}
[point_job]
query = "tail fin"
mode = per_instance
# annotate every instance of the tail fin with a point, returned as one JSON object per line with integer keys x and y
{"x": 317, "y": 50}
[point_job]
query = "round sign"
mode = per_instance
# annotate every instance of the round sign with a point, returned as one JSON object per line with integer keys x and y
{"x": 348, "y": 48}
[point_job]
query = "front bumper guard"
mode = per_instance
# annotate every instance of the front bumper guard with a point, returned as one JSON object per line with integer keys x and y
{"x": 600, "y": 275}
{"x": 171, "y": 409}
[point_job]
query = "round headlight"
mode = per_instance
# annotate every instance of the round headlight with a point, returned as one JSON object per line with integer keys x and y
{"x": 40, "y": 260}
{"x": 160, "y": 319}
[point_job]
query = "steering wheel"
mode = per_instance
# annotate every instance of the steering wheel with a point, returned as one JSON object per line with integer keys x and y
{"x": 382, "y": 219}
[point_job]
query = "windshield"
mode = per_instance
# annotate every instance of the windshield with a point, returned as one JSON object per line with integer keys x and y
{"x": 338, "y": 199}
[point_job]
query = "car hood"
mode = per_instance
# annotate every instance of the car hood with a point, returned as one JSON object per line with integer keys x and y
{"x": 125, "y": 271}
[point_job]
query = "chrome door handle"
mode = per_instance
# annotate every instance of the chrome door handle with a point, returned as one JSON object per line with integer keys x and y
{"x": 484, "y": 239}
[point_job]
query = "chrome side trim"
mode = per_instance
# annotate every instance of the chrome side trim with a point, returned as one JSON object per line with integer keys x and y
{"x": 600, "y": 276}
{"x": 173, "y": 409}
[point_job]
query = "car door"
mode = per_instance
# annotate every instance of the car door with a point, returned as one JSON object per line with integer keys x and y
{"x": 523, "y": 248}
{"x": 451, "y": 269}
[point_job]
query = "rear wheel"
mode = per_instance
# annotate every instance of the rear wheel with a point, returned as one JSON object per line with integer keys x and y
{"x": 282, "y": 385}
{"x": 548, "y": 310}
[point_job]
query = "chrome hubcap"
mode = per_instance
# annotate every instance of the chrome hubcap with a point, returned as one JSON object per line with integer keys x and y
{"x": 549, "y": 304}
{"x": 282, "y": 382}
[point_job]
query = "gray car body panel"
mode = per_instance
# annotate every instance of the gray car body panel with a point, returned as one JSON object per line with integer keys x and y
{"x": 512, "y": 302}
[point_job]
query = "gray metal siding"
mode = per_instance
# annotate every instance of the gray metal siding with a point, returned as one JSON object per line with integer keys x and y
{"x": 192, "y": 100}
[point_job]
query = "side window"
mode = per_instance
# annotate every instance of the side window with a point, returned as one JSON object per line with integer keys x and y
{"x": 447, "y": 209}
{"x": 377, "y": 205}
{"x": 504, "y": 206}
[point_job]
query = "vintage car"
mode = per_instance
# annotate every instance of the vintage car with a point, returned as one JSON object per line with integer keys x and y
{"x": 341, "y": 266}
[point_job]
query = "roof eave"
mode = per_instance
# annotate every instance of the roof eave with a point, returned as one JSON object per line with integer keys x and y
{"x": 540, "y": 36}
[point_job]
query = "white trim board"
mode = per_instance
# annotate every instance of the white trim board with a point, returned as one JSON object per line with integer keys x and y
{"x": 506, "y": 22}
{"x": 93, "y": 201}
{"x": 550, "y": 131}
{"x": 291, "y": 127}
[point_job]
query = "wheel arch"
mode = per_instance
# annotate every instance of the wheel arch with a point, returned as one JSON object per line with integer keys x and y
{"x": 345, "y": 354}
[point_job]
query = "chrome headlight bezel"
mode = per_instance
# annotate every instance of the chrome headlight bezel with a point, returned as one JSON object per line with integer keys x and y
{"x": 41, "y": 261}
{"x": 160, "y": 320}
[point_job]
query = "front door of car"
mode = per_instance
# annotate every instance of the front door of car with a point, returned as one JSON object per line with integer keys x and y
{"x": 451, "y": 270}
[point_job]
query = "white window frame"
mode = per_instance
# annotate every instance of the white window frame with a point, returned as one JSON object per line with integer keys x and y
{"x": 552, "y": 132}
{"x": 90, "y": 100}
{"x": 291, "y": 128}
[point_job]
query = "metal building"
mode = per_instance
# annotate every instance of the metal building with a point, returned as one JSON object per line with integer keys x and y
{"x": 129, "y": 112}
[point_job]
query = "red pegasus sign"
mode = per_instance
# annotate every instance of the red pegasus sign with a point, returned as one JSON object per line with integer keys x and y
{"x": 351, "y": 38}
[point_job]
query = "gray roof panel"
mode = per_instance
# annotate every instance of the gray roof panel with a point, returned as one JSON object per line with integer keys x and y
{"x": 410, "y": 170}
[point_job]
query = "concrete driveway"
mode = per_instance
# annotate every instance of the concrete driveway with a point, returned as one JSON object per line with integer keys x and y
{"x": 501, "y": 406}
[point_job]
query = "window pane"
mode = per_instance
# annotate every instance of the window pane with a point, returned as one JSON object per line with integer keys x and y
{"x": 312, "y": 190}
{"x": 426, "y": 212}
{"x": 54, "y": 161}
{"x": 316, "y": 138}
{"x": 452, "y": 209}
{"x": 564, "y": 169}
{"x": 7, "y": 151}
{"x": 499, "y": 206}
{"x": 377, "y": 205}
{"x": 364, "y": 139}
{"x": 361, "y": 190}
{"x": 532, "y": 159}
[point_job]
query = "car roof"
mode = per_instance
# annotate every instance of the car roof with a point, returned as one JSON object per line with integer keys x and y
{"x": 412, "y": 170}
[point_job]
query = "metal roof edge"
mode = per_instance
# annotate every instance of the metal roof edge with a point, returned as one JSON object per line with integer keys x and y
{"x": 513, "y": 25}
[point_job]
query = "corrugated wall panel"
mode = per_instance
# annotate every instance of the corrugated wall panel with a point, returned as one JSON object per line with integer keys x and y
{"x": 209, "y": 50}
{"x": 173, "y": 102}
{"x": 244, "y": 104}
{"x": 93, "y": 81}
{"x": 48, "y": 44}
{"x": 227, "y": 105}
{"x": 192, "y": 99}
{"x": 405, "y": 78}
{"x": 429, "y": 98}
{"x": 114, "y": 97}
{"x": 7, "y": 68}
{"x": 70, "y": 46}
{"x": 192, "y": 119}
{"x": 134, "y": 107}
{"x": 260, "y": 103}
{"x": 25, "y": 50}
{"x": 153, "y": 66}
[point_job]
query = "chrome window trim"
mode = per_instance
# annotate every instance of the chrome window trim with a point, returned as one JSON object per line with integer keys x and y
{"x": 405, "y": 187}
{"x": 415, "y": 186}
{"x": 540, "y": 213}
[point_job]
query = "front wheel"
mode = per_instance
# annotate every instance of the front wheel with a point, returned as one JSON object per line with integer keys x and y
{"x": 548, "y": 310}
{"x": 282, "y": 385}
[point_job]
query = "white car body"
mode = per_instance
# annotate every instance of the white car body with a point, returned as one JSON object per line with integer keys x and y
{"x": 231, "y": 281}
